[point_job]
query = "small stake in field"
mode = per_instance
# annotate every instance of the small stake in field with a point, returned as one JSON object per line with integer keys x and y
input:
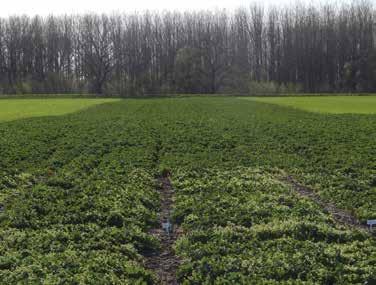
{"x": 165, "y": 263}
{"x": 371, "y": 223}
{"x": 167, "y": 227}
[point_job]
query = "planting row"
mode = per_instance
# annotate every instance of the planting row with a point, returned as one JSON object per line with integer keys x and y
{"x": 78, "y": 199}
{"x": 77, "y": 193}
{"x": 244, "y": 227}
{"x": 334, "y": 154}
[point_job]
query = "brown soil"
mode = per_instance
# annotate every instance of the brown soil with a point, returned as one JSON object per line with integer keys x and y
{"x": 165, "y": 262}
{"x": 341, "y": 216}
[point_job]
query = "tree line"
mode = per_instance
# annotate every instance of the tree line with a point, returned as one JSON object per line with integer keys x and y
{"x": 251, "y": 50}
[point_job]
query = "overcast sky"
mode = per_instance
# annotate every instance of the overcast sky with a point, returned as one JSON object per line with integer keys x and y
{"x": 46, "y": 7}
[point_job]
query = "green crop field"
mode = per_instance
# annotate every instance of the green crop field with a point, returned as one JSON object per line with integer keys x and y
{"x": 79, "y": 193}
{"x": 12, "y": 109}
{"x": 326, "y": 104}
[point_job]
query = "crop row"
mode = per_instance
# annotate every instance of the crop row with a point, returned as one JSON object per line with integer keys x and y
{"x": 78, "y": 205}
{"x": 77, "y": 193}
{"x": 334, "y": 154}
{"x": 245, "y": 227}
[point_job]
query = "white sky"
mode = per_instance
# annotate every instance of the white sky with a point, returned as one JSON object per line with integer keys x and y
{"x": 46, "y": 7}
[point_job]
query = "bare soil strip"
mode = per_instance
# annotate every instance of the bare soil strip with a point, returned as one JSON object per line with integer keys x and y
{"x": 341, "y": 216}
{"x": 165, "y": 262}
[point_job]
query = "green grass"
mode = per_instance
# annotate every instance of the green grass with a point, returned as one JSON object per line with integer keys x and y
{"x": 13, "y": 109}
{"x": 326, "y": 104}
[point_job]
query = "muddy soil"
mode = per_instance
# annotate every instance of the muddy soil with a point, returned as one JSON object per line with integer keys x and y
{"x": 165, "y": 262}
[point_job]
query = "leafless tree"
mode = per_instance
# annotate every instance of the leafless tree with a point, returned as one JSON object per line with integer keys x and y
{"x": 320, "y": 49}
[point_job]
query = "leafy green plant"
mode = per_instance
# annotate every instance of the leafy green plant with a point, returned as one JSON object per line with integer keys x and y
{"x": 80, "y": 190}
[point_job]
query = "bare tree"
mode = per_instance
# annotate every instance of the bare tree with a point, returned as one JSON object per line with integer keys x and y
{"x": 97, "y": 50}
{"x": 327, "y": 49}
